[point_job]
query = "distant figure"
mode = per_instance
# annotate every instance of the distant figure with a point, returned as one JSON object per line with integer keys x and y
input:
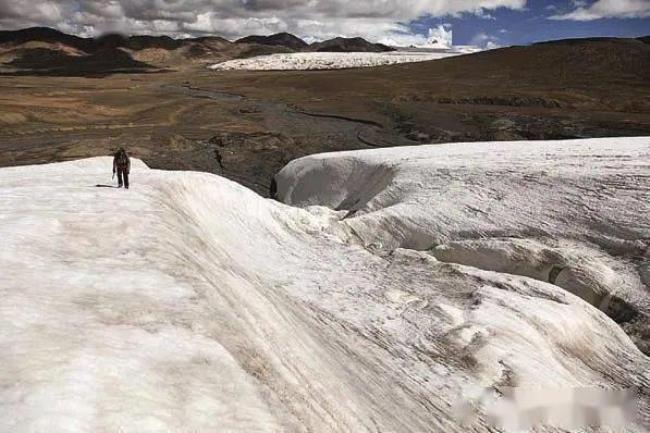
{"x": 122, "y": 165}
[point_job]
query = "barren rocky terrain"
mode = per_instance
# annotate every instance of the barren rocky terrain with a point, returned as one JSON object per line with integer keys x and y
{"x": 247, "y": 125}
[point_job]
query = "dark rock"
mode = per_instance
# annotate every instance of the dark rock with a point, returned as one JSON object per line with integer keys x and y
{"x": 280, "y": 39}
{"x": 342, "y": 45}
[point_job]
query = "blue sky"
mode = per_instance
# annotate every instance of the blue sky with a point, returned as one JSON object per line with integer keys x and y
{"x": 532, "y": 24}
{"x": 485, "y": 23}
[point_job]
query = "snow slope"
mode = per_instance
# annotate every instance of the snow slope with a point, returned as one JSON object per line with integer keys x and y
{"x": 325, "y": 60}
{"x": 190, "y": 304}
{"x": 573, "y": 213}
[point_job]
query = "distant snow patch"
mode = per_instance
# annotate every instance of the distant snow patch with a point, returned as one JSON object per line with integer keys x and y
{"x": 318, "y": 61}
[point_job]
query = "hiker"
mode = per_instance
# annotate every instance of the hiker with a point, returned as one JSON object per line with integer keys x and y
{"x": 122, "y": 165}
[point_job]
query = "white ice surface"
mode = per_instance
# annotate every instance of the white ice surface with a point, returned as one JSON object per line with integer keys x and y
{"x": 190, "y": 304}
{"x": 576, "y": 212}
{"x": 325, "y": 60}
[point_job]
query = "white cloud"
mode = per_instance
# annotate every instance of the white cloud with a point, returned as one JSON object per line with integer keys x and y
{"x": 485, "y": 41}
{"x": 606, "y": 9}
{"x": 442, "y": 35}
{"x": 378, "y": 20}
{"x": 436, "y": 37}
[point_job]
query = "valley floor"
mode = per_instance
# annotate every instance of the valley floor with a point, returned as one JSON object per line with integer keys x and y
{"x": 246, "y": 125}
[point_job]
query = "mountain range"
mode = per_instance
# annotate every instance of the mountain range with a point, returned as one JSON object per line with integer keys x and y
{"x": 44, "y": 50}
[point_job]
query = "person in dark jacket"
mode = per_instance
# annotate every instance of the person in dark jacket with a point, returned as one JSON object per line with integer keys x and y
{"x": 122, "y": 166}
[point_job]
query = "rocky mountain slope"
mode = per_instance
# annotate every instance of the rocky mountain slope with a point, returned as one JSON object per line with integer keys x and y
{"x": 286, "y": 40}
{"x": 57, "y": 62}
{"x": 338, "y": 45}
{"x": 334, "y": 45}
{"x": 43, "y": 51}
{"x": 32, "y": 51}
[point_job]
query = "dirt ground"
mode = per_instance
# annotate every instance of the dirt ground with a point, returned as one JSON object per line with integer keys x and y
{"x": 247, "y": 125}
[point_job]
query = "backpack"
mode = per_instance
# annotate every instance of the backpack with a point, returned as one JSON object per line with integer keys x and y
{"x": 122, "y": 159}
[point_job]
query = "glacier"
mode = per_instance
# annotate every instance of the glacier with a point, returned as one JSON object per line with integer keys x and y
{"x": 392, "y": 288}
{"x": 328, "y": 60}
{"x": 575, "y": 213}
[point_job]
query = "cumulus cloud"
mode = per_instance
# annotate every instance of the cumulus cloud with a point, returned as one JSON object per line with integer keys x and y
{"x": 379, "y": 20}
{"x": 485, "y": 41}
{"x": 606, "y": 9}
{"x": 440, "y": 36}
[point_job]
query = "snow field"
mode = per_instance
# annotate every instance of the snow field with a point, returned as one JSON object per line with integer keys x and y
{"x": 572, "y": 213}
{"x": 191, "y": 304}
{"x": 326, "y": 60}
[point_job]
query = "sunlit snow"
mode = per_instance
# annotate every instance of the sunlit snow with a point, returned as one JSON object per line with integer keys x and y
{"x": 190, "y": 304}
{"x": 326, "y": 60}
